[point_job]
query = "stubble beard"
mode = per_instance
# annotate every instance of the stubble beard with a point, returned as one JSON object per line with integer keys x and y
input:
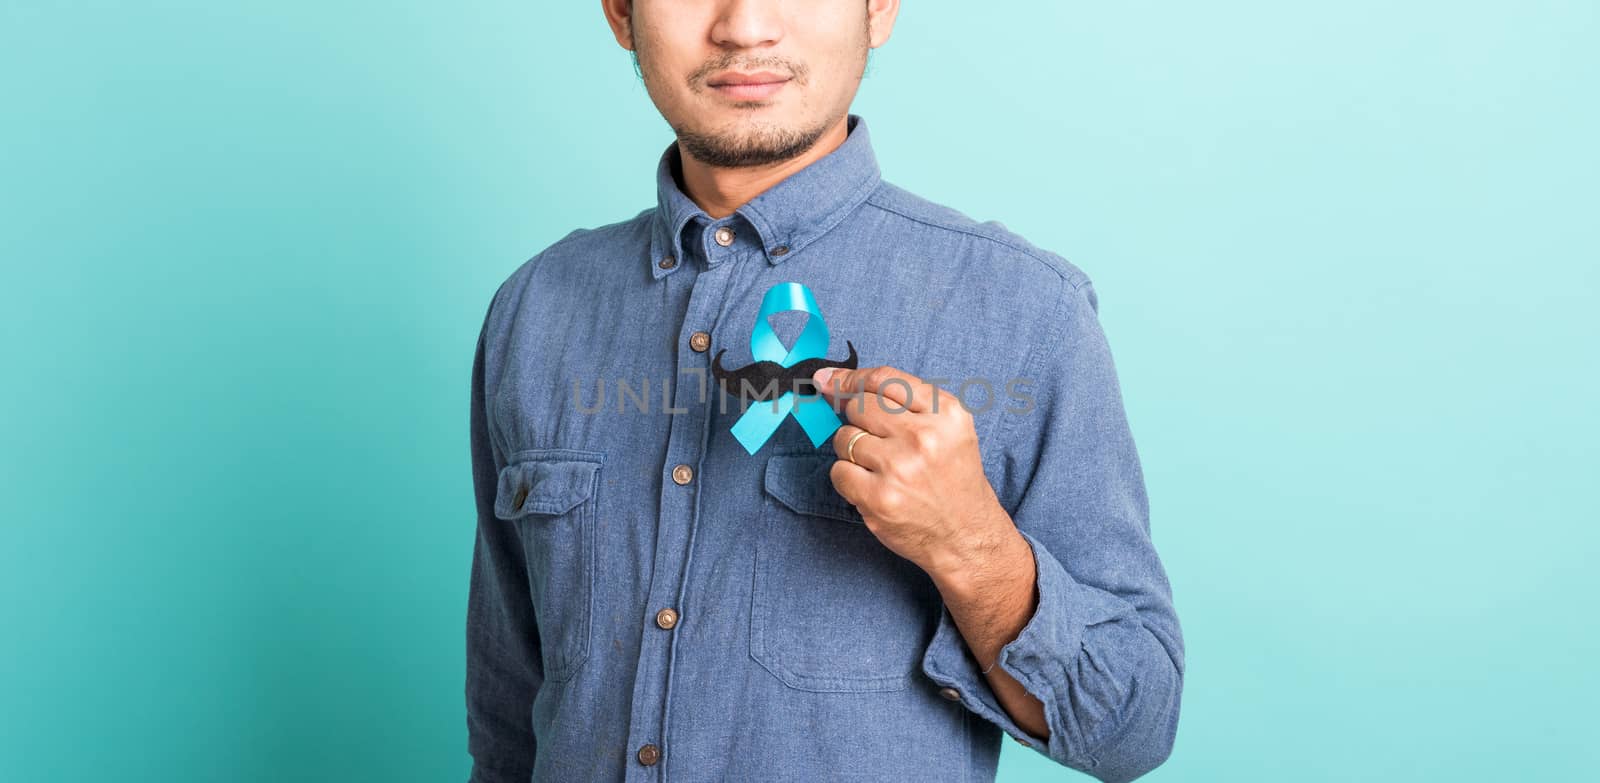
{"x": 759, "y": 145}
{"x": 748, "y": 144}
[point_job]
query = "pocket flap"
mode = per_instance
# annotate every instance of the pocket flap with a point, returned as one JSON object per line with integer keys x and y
{"x": 536, "y": 484}
{"x": 801, "y": 482}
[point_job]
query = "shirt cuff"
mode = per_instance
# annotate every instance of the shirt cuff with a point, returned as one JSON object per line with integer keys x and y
{"x": 1038, "y": 658}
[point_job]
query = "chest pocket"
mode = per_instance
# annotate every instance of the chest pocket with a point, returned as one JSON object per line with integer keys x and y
{"x": 832, "y": 608}
{"x": 550, "y": 495}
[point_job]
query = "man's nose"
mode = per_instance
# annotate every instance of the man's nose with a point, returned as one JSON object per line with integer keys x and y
{"x": 748, "y": 24}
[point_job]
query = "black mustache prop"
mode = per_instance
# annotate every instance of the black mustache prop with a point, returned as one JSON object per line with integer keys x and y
{"x": 769, "y": 380}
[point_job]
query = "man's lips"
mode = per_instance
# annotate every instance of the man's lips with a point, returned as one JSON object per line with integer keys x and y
{"x": 748, "y": 86}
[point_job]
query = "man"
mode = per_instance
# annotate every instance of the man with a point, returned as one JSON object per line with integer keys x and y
{"x": 667, "y": 586}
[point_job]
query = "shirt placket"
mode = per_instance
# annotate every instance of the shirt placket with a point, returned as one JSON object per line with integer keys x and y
{"x": 679, "y": 503}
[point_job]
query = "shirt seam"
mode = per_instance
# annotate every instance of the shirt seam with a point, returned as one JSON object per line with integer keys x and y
{"x": 1033, "y": 253}
{"x": 495, "y": 319}
{"x": 1032, "y": 365}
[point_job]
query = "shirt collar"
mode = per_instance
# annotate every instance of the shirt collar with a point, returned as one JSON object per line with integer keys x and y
{"x": 787, "y": 216}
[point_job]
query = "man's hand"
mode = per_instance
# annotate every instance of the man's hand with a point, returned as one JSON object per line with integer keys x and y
{"x": 916, "y": 476}
{"x": 918, "y": 480}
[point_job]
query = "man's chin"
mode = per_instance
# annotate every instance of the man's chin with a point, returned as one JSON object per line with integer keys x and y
{"x": 731, "y": 138}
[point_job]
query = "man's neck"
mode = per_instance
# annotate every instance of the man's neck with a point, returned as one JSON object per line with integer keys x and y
{"x": 720, "y": 191}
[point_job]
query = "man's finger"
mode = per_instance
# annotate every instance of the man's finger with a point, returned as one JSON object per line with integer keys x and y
{"x": 899, "y": 388}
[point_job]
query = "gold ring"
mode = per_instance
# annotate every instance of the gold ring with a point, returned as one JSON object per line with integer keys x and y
{"x": 850, "y": 447}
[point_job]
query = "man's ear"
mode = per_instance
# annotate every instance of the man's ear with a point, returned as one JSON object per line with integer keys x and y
{"x": 619, "y": 14}
{"x": 880, "y": 20}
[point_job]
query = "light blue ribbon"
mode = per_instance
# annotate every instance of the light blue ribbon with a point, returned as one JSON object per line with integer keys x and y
{"x": 813, "y": 412}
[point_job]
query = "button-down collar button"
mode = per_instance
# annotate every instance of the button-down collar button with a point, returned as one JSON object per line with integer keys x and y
{"x": 700, "y": 341}
{"x": 682, "y": 474}
{"x": 667, "y": 262}
{"x": 649, "y": 754}
{"x": 522, "y": 495}
{"x": 724, "y": 236}
{"x": 667, "y": 618}
{"x": 1023, "y": 742}
{"x": 950, "y": 693}
{"x": 780, "y": 250}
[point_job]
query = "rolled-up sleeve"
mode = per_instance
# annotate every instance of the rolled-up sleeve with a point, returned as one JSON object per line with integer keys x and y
{"x": 504, "y": 670}
{"x": 1103, "y": 650}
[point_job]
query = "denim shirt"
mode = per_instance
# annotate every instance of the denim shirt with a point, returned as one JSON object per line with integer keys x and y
{"x": 650, "y": 601}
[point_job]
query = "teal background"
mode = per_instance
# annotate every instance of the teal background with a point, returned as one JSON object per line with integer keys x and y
{"x": 1346, "y": 255}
